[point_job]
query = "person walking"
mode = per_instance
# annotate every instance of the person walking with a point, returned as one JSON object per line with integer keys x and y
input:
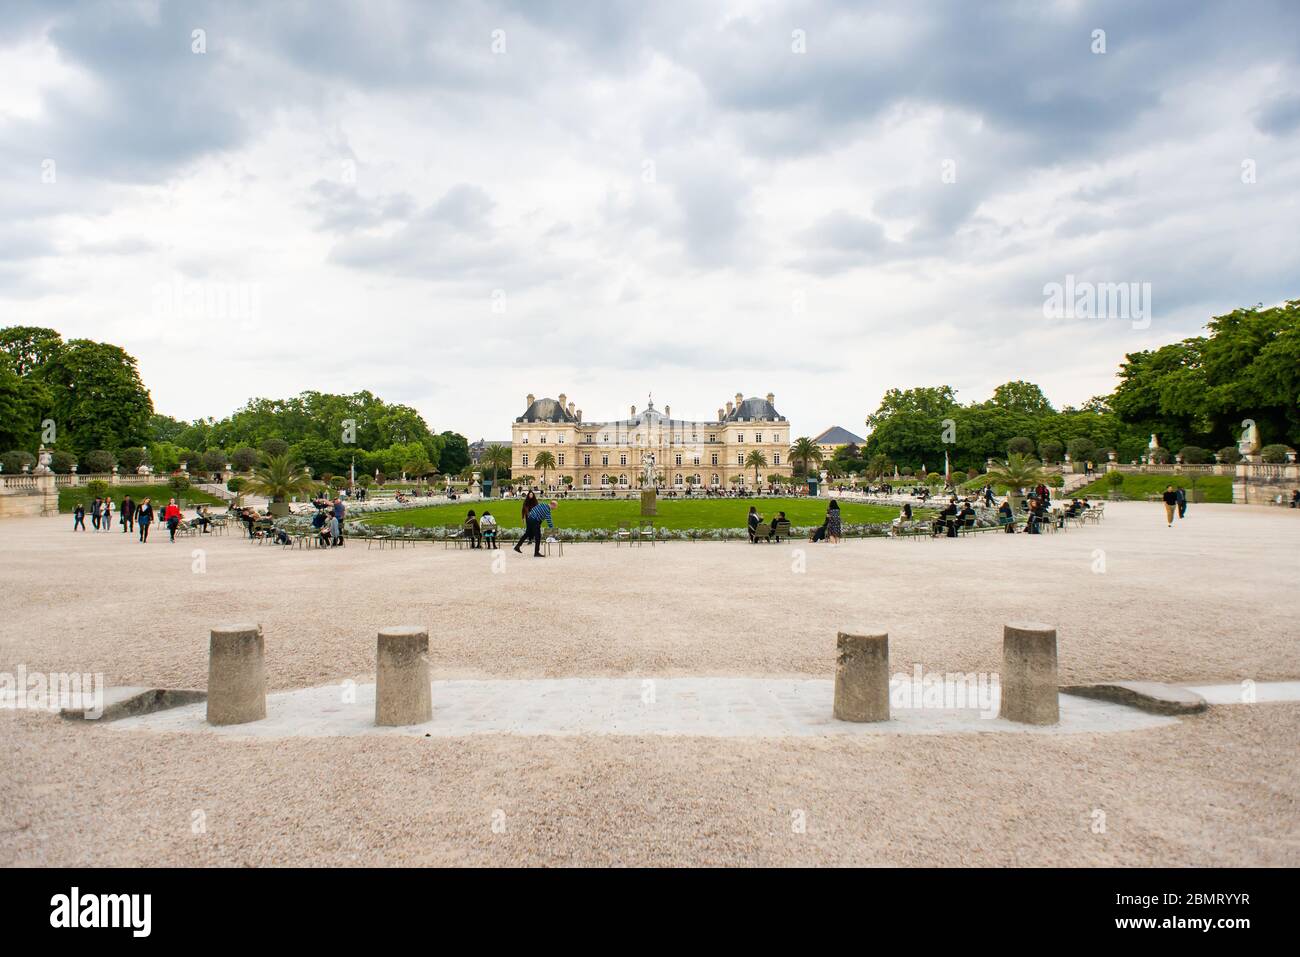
{"x": 172, "y": 517}
{"x": 106, "y": 520}
{"x": 541, "y": 513}
{"x": 79, "y": 517}
{"x": 127, "y": 513}
{"x": 1182, "y": 501}
{"x": 95, "y": 508}
{"x": 144, "y": 518}
{"x": 1171, "y": 503}
{"x": 530, "y": 503}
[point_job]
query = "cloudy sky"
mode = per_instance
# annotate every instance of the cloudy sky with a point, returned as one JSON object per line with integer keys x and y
{"x": 456, "y": 205}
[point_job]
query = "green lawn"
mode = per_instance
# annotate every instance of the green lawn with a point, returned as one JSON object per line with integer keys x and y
{"x": 673, "y": 513}
{"x": 69, "y": 497}
{"x": 1214, "y": 488}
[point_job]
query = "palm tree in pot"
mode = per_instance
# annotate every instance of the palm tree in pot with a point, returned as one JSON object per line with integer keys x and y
{"x": 279, "y": 478}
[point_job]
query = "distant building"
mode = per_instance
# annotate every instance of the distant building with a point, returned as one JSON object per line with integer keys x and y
{"x": 834, "y": 437}
{"x": 476, "y": 449}
{"x": 680, "y": 452}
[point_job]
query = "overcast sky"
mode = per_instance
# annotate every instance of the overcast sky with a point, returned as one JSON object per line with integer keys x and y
{"x": 454, "y": 206}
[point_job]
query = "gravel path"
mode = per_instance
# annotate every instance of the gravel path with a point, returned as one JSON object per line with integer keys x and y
{"x": 1205, "y": 602}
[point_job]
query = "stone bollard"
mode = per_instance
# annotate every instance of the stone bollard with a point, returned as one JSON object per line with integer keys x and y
{"x": 236, "y": 674}
{"x": 402, "y": 694}
{"x": 862, "y": 677}
{"x": 1029, "y": 689}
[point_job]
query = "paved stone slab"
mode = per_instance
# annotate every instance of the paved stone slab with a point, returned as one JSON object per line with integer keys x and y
{"x": 1150, "y": 696}
{"x": 703, "y": 707}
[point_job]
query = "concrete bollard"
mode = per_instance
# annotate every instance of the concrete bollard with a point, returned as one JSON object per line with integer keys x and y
{"x": 862, "y": 677}
{"x": 1029, "y": 689}
{"x": 236, "y": 674}
{"x": 402, "y": 694}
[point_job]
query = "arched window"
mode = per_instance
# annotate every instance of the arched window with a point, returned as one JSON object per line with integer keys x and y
{"x": 715, "y": 479}
{"x": 586, "y": 481}
{"x": 678, "y": 480}
{"x": 622, "y": 480}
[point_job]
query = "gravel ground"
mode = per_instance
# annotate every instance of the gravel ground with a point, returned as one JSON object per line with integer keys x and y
{"x": 1207, "y": 601}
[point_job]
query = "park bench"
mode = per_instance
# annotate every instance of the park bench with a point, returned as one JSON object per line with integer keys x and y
{"x": 761, "y": 531}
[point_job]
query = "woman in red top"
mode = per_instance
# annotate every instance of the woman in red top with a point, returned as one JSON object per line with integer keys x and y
{"x": 172, "y": 516}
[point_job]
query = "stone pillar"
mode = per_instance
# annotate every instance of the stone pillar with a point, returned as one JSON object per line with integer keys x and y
{"x": 1029, "y": 688}
{"x": 236, "y": 674}
{"x": 862, "y": 677}
{"x": 402, "y": 693}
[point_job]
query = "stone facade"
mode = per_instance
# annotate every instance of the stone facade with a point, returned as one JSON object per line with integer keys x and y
{"x": 680, "y": 452}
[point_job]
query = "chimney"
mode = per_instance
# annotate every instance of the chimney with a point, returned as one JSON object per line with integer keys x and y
{"x": 728, "y": 407}
{"x": 531, "y": 399}
{"x": 633, "y": 410}
{"x": 562, "y": 397}
{"x": 668, "y": 412}
{"x": 719, "y": 415}
{"x": 570, "y": 408}
{"x": 771, "y": 398}
{"x": 578, "y": 415}
{"x": 740, "y": 397}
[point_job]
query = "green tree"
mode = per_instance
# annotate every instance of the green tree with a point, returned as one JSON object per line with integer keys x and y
{"x": 497, "y": 458}
{"x": 755, "y": 460}
{"x": 30, "y": 348}
{"x": 98, "y": 399}
{"x": 544, "y": 461}
{"x": 805, "y": 451}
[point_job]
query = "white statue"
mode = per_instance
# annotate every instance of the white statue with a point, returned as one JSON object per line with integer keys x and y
{"x": 648, "y": 470}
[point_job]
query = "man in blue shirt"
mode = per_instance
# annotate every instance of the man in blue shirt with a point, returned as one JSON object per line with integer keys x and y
{"x": 541, "y": 512}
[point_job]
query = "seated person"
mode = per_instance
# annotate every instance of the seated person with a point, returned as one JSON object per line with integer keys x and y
{"x": 472, "y": 530}
{"x": 201, "y": 518}
{"x": 967, "y": 515}
{"x": 945, "y": 519}
{"x": 1005, "y": 516}
{"x": 488, "y": 527}
{"x": 322, "y": 530}
{"x": 754, "y": 521}
{"x": 780, "y": 526}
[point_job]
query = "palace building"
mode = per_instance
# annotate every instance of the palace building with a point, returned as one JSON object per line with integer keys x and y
{"x": 678, "y": 452}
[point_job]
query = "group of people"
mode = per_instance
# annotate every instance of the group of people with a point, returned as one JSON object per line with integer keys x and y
{"x": 480, "y": 530}
{"x": 132, "y": 517}
{"x": 831, "y": 529}
{"x": 328, "y": 521}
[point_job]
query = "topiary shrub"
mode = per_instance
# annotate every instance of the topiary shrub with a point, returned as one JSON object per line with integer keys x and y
{"x": 934, "y": 478}
{"x": 1230, "y": 455}
{"x": 1194, "y": 455}
{"x": 14, "y": 461}
{"x": 1273, "y": 454}
{"x": 98, "y": 462}
{"x": 1114, "y": 479}
{"x": 1020, "y": 445}
{"x": 62, "y": 462}
{"x": 131, "y": 459}
{"x": 97, "y": 488}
